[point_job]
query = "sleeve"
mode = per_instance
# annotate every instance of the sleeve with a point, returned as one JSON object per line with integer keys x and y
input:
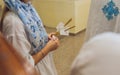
{"x": 14, "y": 32}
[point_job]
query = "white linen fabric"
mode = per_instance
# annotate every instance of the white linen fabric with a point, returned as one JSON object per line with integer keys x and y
{"x": 32, "y": 23}
{"x": 98, "y": 23}
{"x": 99, "y": 56}
{"x": 14, "y": 32}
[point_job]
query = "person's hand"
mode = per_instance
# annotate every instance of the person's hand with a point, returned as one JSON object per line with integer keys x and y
{"x": 53, "y": 42}
{"x": 50, "y": 35}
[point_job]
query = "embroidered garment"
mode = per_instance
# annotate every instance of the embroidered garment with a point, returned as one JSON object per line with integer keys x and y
{"x": 98, "y": 23}
{"x": 110, "y": 10}
{"x": 32, "y": 23}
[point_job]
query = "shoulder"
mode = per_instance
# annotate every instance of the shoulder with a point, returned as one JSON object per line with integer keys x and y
{"x": 11, "y": 17}
{"x": 12, "y": 24}
{"x": 11, "y": 20}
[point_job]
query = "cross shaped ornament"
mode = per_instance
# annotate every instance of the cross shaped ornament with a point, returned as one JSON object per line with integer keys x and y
{"x": 110, "y": 10}
{"x": 63, "y": 29}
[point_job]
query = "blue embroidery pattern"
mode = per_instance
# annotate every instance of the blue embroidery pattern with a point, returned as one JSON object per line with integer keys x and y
{"x": 110, "y": 10}
{"x": 32, "y": 23}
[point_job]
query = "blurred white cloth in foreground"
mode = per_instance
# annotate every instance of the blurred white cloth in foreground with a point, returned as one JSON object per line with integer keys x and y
{"x": 99, "y": 56}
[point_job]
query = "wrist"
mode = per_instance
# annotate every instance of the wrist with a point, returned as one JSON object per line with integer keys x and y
{"x": 40, "y": 55}
{"x": 45, "y": 51}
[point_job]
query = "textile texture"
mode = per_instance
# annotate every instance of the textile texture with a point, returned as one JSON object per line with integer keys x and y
{"x": 32, "y": 23}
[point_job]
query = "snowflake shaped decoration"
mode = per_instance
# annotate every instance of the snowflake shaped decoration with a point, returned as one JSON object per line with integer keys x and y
{"x": 110, "y": 10}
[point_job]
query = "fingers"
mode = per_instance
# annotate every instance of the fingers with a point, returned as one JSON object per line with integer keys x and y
{"x": 54, "y": 42}
{"x": 54, "y": 38}
{"x": 50, "y": 35}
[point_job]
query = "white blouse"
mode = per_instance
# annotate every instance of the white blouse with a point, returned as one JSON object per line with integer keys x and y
{"x": 13, "y": 30}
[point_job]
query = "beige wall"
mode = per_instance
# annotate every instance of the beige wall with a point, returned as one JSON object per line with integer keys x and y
{"x": 81, "y": 14}
{"x": 1, "y": 2}
{"x": 54, "y": 11}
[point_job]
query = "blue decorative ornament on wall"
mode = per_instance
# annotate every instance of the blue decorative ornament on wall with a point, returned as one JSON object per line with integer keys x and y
{"x": 110, "y": 10}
